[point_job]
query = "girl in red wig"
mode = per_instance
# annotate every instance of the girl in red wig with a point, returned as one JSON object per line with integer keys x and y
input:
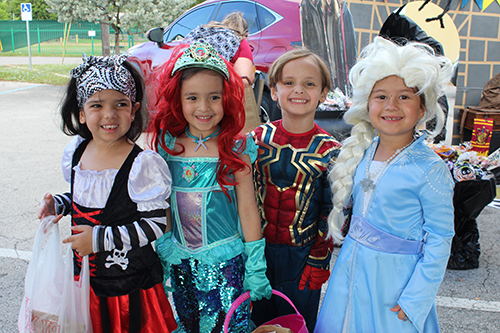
{"x": 215, "y": 251}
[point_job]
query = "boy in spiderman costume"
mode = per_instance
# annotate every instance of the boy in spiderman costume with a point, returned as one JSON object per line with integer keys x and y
{"x": 293, "y": 193}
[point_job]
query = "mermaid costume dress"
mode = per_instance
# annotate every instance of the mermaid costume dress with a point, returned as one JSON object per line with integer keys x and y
{"x": 204, "y": 254}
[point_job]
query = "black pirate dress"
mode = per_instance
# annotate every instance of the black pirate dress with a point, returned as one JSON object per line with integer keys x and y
{"x": 127, "y": 210}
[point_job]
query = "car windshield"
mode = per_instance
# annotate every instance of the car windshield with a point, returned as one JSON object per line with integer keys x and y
{"x": 257, "y": 16}
{"x": 187, "y": 23}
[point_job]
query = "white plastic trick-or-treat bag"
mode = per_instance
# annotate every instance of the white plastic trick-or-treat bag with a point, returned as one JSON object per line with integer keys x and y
{"x": 53, "y": 301}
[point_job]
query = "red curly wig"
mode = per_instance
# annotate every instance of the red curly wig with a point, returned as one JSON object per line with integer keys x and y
{"x": 170, "y": 118}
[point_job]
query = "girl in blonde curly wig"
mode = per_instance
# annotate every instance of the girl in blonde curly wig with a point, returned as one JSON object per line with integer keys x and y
{"x": 395, "y": 253}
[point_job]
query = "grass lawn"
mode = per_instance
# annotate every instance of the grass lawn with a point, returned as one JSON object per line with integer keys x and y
{"x": 73, "y": 49}
{"x": 55, "y": 74}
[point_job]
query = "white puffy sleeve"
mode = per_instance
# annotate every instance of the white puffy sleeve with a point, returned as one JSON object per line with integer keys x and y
{"x": 63, "y": 201}
{"x": 67, "y": 158}
{"x": 149, "y": 182}
{"x": 149, "y": 186}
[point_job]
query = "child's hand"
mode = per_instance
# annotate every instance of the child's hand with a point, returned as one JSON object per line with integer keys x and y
{"x": 82, "y": 240}
{"x": 47, "y": 207}
{"x": 401, "y": 313}
{"x": 272, "y": 329}
{"x": 48, "y": 222}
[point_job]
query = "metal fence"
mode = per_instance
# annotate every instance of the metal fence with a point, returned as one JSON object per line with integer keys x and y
{"x": 48, "y": 37}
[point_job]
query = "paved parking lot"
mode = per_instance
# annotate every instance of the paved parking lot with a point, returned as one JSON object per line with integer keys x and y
{"x": 31, "y": 146}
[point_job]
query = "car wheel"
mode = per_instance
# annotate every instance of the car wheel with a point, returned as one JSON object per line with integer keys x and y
{"x": 269, "y": 108}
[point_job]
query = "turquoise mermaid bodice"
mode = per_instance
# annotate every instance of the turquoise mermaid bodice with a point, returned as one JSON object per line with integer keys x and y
{"x": 205, "y": 223}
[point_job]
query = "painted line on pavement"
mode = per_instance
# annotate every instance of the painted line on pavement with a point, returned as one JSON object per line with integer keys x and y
{"x": 9, "y": 253}
{"x": 495, "y": 204}
{"x": 9, "y": 91}
{"x": 468, "y": 304}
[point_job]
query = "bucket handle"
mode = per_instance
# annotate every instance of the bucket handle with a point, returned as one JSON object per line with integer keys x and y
{"x": 243, "y": 297}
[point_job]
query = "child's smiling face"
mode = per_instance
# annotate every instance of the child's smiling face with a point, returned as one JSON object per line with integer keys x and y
{"x": 394, "y": 109}
{"x": 299, "y": 91}
{"x": 108, "y": 115}
{"x": 201, "y": 100}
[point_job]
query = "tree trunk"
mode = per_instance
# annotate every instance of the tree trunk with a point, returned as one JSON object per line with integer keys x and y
{"x": 117, "y": 41}
{"x": 106, "y": 48}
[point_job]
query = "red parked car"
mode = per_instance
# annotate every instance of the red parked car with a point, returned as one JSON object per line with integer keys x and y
{"x": 274, "y": 28}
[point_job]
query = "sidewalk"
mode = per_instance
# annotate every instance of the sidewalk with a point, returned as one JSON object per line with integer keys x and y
{"x": 38, "y": 60}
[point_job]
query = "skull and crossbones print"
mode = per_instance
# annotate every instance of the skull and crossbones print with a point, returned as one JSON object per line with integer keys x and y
{"x": 119, "y": 258}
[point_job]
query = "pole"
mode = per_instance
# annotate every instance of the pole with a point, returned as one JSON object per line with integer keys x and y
{"x": 29, "y": 44}
{"x": 13, "y": 45}
{"x": 65, "y": 40}
{"x": 38, "y": 33}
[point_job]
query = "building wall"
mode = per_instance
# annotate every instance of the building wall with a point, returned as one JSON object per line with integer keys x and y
{"x": 479, "y": 32}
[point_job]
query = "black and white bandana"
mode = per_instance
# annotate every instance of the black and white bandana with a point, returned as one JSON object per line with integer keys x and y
{"x": 101, "y": 73}
{"x": 223, "y": 40}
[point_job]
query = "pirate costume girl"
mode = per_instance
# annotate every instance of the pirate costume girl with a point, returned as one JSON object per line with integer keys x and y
{"x": 127, "y": 210}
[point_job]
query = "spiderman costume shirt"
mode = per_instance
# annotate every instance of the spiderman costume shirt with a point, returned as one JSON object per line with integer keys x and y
{"x": 294, "y": 200}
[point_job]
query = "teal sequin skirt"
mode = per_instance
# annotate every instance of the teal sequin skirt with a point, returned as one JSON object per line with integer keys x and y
{"x": 204, "y": 293}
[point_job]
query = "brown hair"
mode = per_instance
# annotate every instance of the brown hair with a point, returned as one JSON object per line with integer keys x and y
{"x": 276, "y": 70}
{"x": 233, "y": 21}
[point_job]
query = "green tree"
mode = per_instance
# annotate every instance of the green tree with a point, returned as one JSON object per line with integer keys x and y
{"x": 4, "y": 12}
{"x": 121, "y": 15}
{"x": 39, "y": 9}
{"x": 144, "y": 15}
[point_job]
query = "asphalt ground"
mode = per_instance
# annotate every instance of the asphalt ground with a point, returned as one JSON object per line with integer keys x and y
{"x": 31, "y": 147}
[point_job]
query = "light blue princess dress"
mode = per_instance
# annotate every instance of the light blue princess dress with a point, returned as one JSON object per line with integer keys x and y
{"x": 204, "y": 255}
{"x": 397, "y": 247}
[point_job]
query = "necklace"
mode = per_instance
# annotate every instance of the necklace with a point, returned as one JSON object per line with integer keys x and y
{"x": 367, "y": 183}
{"x": 200, "y": 140}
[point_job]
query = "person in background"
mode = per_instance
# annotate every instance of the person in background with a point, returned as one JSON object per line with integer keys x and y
{"x": 293, "y": 193}
{"x": 228, "y": 38}
{"x": 395, "y": 254}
